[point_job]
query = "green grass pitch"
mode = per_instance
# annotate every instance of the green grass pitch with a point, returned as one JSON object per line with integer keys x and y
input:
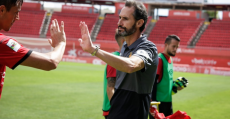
{"x": 74, "y": 91}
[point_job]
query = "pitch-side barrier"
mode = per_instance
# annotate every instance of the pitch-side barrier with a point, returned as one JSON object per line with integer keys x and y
{"x": 176, "y": 67}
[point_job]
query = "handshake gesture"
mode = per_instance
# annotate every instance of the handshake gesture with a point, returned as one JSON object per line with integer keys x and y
{"x": 179, "y": 84}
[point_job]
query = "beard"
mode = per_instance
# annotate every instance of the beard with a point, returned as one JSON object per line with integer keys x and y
{"x": 126, "y": 31}
{"x": 170, "y": 53}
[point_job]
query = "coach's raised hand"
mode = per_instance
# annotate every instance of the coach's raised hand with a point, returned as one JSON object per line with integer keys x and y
{"x": 57, "y": 34}
{"x": 85, "y": 40}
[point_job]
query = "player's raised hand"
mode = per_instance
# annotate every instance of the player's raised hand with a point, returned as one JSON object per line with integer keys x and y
{"x": 85, "y": 40}
{"x": 57, "y": 34}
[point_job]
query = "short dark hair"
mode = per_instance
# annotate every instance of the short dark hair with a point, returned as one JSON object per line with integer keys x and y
{"x": 10, "y": 3}
{"x": 170, "y": 37}
{"x": 118, "y": 37}
{"x": 139, "y": 13}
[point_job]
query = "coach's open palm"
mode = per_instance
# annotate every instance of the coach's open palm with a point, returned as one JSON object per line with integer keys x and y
{"x": 85, "y": 40}
{"x": 57, "y": 34}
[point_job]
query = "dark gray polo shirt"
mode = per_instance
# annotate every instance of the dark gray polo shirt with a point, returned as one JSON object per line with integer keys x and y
{"x": 142, "y": 80}
{"x": 132, "y": 96}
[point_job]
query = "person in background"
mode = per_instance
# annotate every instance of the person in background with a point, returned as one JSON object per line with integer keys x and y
{"x": 162, "y": 92}
{"x": 110, "y": 78}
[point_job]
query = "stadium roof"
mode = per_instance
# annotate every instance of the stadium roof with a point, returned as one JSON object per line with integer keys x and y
{"x": 194, "y": 6}
{"x": 170, "y": 4}
{"x": 100, "y": 2}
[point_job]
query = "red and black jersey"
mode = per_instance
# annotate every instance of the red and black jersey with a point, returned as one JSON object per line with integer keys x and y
{"x": 11, "y": 55}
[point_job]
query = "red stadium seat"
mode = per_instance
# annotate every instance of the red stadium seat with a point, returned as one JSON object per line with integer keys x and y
{"x": 216, "y": 35}
{"x": 72, "y": 22}
{"x": 184, "y": 28}
{"x": 107, "y": 31}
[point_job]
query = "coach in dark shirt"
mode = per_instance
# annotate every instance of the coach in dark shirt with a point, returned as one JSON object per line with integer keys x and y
{"x": 133, "y": 93}
{"x": 136, "y": 66}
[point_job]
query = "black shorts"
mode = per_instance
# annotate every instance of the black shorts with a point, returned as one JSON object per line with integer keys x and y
{"x": 166, "y": 108}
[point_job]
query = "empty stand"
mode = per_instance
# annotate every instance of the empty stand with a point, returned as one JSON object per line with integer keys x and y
{"x": 216, "y": 35}
{"x": 107, "y": 31}
{"x": 72, "y": 21}
{"x": 28, "y": 25}
{"x": 184, "y": 28}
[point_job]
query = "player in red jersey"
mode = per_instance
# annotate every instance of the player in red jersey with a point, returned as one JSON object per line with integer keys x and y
{"x": 13, "y": 54}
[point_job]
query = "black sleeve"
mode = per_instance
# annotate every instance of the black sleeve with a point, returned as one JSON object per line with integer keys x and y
{"x": 23, "y": 59}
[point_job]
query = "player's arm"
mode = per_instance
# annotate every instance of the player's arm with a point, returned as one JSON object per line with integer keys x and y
{"x": 49, "y": 61}
{"x": 123, "y": 64}
{"x": 111, "y": 80}
{"x": 110, "y": 86}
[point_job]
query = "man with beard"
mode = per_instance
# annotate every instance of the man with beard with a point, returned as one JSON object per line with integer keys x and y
{"x": 136, "y": 66}
{"x": 165, "y": 87}
{"x": 13, "y": 54}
